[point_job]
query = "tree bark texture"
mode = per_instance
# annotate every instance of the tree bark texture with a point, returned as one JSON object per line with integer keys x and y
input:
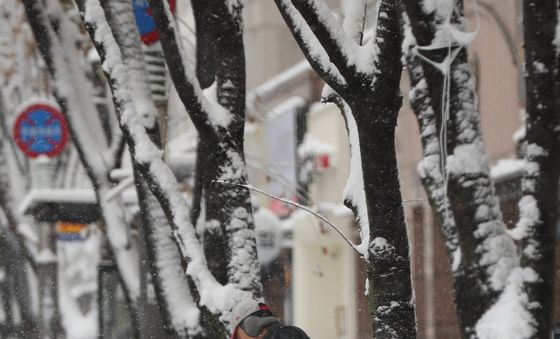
{"x": 487, "y": 252}
{"x": 373, "y": 98}
{"x": 228, "y": 235}
{"x": 137, "y": 120}
{"x": 541, "y": 177}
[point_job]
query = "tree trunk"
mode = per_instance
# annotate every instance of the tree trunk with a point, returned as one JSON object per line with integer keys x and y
{"x": 368, "y": 96}
{"x": 487, "y": 252}
{"x": 390, "y": 293}
{"x": 228, "y": 236}
{"x": 541, "y": 177}
{"x": 432, "y": 175}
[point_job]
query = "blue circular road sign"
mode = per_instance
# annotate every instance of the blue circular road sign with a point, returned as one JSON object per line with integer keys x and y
{"x": 41, "y": 129}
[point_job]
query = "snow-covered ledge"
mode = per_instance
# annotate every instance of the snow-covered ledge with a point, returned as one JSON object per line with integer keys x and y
{"x": 71, "y": 205}
{"x": 507, "y": 169}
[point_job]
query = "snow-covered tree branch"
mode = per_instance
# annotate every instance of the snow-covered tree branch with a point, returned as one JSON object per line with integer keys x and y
{"x": 366, "y": 75}
{"x": 176, "y": 304}
{"x": 57, "y": 46}
{"x": 219, "y": 116}
{"x": 136, "y": 123}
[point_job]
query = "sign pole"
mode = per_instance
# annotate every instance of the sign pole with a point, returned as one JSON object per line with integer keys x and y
{"x": 43, "y": 171}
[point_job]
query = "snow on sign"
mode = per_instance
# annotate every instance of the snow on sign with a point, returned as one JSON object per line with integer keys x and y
{"x": 40, "y": 129}
{"x": 144, "y": 21}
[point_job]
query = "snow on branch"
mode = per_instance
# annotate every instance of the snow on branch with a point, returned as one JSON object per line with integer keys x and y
{"x": 339, "y": 47}
{"x": 218, "y": 298}
{"x": 311, "y": 46}
{"x": 354, "y": 193}
{"x": 488, "y": 252}
{"x": 207, "y": 115}
{"x": 355, "y": 13}
{"x": 170, "y": 279}
{"x": 63, "y": 62}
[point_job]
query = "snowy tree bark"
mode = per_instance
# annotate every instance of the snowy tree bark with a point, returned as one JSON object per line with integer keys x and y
{"x": 490, "y": 278}
{"x": 56, "y": 37}
{"x": 7, "y": 205}
{"x": 206, "y": 60}
{"x": 228, "y": 235}
{"x": 17, "y": 284}
{"x": 536, "y": 229}
{"x": 429, "y": 168}
{"x": 136, "y": 120}
{"x": 167, "y": 269}
{"x": 487, "y": 253}
{"x": 365, "y": 76}
{"x": 432, "y": 174}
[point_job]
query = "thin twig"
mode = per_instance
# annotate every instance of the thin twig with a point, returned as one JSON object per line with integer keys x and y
{"x": 293, "y": 203}
{"x": 412, "y": 200}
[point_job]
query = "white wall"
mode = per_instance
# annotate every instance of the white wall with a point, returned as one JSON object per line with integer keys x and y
{"x": 323, "y": 264}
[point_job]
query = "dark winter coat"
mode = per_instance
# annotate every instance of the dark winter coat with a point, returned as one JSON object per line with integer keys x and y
{"x": 285, "y": 332}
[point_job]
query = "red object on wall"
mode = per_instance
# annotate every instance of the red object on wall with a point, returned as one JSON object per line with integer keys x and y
{"x": 322, "y": 161}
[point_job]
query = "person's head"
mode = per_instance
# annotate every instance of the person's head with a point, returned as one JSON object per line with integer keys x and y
{"x": 251, "y": 319}
{"x": 286, "y": 332}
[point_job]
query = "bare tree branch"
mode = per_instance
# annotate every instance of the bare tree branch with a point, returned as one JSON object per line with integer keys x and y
{"x": 305, "y": 208}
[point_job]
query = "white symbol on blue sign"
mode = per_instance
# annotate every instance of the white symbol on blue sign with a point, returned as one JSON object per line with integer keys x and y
{"x": 41, "y": 132}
